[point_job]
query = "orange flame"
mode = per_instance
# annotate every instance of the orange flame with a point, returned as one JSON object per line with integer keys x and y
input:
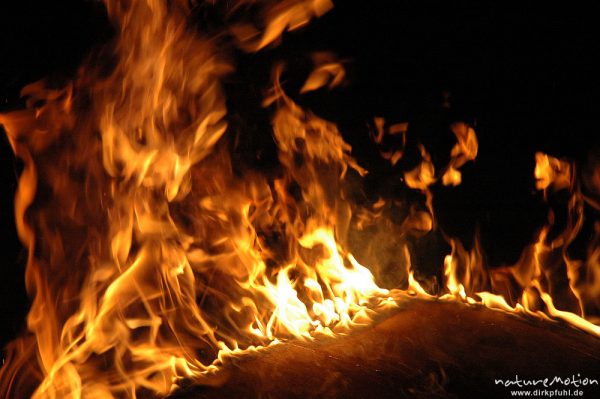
{"x": 463, "y": 151}
{"x": 152, "y": 258}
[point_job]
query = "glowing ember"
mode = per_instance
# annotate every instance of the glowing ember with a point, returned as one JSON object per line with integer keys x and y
{"x": 152, "y": 256}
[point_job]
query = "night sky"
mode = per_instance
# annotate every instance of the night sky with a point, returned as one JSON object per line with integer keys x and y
{"x": 522, "y": 73}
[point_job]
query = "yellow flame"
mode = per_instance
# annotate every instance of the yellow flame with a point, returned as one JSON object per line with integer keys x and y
{"x": 153, "y": 258}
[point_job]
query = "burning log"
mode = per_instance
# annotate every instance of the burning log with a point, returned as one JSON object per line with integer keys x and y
{"x": 425, "y": 350}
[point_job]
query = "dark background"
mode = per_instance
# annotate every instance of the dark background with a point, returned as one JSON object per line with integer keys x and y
{"x": 522, "y": 73}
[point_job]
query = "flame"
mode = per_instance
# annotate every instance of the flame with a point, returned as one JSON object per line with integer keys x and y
{"x": 279, "y": 17}
{"x": 395, "y": 130}
{"x": 463, "y": 151}
{"x": 328, "y": 71}
{"x": 153, "y": 256}
{"x": 423, "y": 175}
{"x": 551, "y": 172}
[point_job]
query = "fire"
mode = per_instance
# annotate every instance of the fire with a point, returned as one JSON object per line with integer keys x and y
{"x": 153, "y": 256}
{"x": 550, "y": 171}
{"x": 464, "y": 150}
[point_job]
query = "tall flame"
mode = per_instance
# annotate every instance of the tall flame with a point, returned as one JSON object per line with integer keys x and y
{"x": 153, "y": 256}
